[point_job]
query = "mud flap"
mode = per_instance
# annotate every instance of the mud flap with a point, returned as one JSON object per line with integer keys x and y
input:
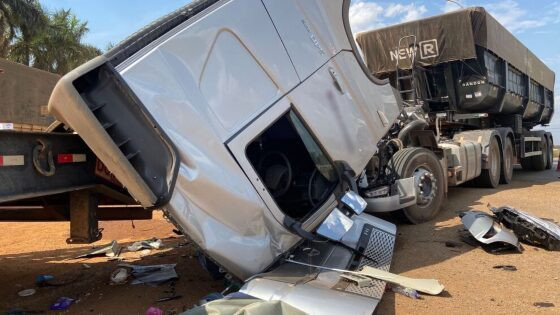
{"x": 324, "y": 292}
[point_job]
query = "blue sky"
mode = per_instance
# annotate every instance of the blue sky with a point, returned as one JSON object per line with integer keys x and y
{"x": 536, "y": 23}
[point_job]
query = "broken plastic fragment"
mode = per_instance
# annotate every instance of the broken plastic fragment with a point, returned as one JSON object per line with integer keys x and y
{"x": 109, "y": 250}
{"x": 529, "y": 228}
{"x": 487, "y": 231}
{"x": 152, "y": 243}
{"x": 152, "y": 275}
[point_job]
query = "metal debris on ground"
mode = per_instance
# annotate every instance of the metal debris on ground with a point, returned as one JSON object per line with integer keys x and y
{"x": 153, "y": 243}
{"x": 506, "y": 267}
{"x": 529, "y": 228}
{"x": 543, "y": 304}
{"x": 486, "y": 230}
{"x": 26, "y": 292}
{"x": 120, "y": 275}
{"x": 62, "y": 304}
{"x": 110, "y": 250}
{"x": 152, "y": 275}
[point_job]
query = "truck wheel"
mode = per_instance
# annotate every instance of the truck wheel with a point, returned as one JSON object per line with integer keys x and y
{"x": 490, "y": 178}
{"x": 424, "y": 166}
{"x": 507, "y": 162}
{"x": 540, "y": 161}
{"x": 550, "y": 152}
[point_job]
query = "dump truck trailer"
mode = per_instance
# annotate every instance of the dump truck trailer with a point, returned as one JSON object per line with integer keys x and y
{"x": 472, "y": 94}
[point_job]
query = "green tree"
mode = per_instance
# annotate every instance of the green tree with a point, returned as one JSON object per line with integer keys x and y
{"x": 58, "y": 48}
{"x": 23, "y": 19}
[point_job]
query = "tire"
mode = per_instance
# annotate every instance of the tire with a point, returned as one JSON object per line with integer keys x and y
{"x": 490, "y": 178}
{"x": 507, "y": 162}
{"x": 424, "y": 165}
{"x": 550, "y": 156}
{"x": 540, "y": 161}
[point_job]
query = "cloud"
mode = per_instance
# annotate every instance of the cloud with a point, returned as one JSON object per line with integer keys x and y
{"x": 366, "y": 15}
{"x": 513, "y": 17}
{"x": 510, "y": 14}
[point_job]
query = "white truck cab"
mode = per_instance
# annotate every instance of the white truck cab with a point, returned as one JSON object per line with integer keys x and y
{"x": 248, "y": 123}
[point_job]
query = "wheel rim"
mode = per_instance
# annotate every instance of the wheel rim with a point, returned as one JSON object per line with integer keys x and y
{"x": 426, "y": 186}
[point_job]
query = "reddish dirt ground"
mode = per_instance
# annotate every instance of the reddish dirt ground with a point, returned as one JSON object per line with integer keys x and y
{"x": 472, "y": 285}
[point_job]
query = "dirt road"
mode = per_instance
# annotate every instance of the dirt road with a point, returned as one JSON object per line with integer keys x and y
{"x": 472, "y": 285}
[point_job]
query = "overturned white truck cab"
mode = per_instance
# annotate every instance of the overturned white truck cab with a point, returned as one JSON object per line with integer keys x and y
{"x": 248, "y": 122}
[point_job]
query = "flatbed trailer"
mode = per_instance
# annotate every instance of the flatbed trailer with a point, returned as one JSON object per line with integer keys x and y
{"x": 54, "y": 176}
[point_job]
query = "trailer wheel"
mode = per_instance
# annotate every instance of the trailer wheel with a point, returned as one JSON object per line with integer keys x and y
{"x": 424, "y": 166}
{"x": 507, "y": 162}
{"x": 540, "y": 161}
{"x": 490, "y": 178}
{"x": 550, "y": 152}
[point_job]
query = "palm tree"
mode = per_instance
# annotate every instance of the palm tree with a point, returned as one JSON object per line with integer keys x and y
{"x": 21, "y": 19}
{"x": 58, "y": 48}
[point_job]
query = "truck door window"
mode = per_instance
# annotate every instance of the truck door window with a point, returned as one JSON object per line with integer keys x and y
{"x": 292, "y": 166}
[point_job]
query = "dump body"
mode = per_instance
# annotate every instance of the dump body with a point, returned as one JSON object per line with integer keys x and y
{"x": 489, "y": 70}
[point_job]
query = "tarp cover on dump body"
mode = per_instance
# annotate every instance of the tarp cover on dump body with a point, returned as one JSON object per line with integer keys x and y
{"x": 449, "y": 37}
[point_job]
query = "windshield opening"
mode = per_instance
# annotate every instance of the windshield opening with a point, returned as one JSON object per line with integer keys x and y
{"x": 293, "y": 167}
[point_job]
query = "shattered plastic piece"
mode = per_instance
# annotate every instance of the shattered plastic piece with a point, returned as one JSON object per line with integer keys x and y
{"x": 335, "y": 225}
{"x": 154, "y": 311}
{"x": 120, "y": 275}
{"x": 506, "y": 267}
{"x": 62, "y": 304}
{"x": 487, "y": 231}
{"x": 154, "y": 274}
{"x": 26, "y": 292}
{"x": 153, "y": 243}
{"x": 429, "y": 286}
{"x": 411, "y": 293}
{"x": 361, "y": 281}
{"x": 109, "y": 250}
{"x": 86, "y": 266}
{"x": 530, "y": 229}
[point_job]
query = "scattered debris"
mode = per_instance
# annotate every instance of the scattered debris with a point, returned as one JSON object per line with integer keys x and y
{"x": 429, "y": 286}
{"x": 169, "y": 298}
{"x": 109, "y": 250}
{"x": 152, "y": 275}
{"x": 543, "y": 304}
{"x": 42, "y": 279}
{"x": 360, "y": 281}
{"x": 154, "y": 311}
{"x": 26, "y": 292}
{"x": 486, "y": 230}
{"x": 506, "y": 267}
{"x": 62, "y": 304}
{"x": 86, "y": 266}
{"x": 530, "y": 229}
{"x": 153, "y": 243}
{"x": 120, "y": 275}
{"x": 411, "y": 293}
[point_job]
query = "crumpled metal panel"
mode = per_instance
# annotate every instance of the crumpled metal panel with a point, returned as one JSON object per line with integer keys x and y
{"x": 530, "y": 228}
